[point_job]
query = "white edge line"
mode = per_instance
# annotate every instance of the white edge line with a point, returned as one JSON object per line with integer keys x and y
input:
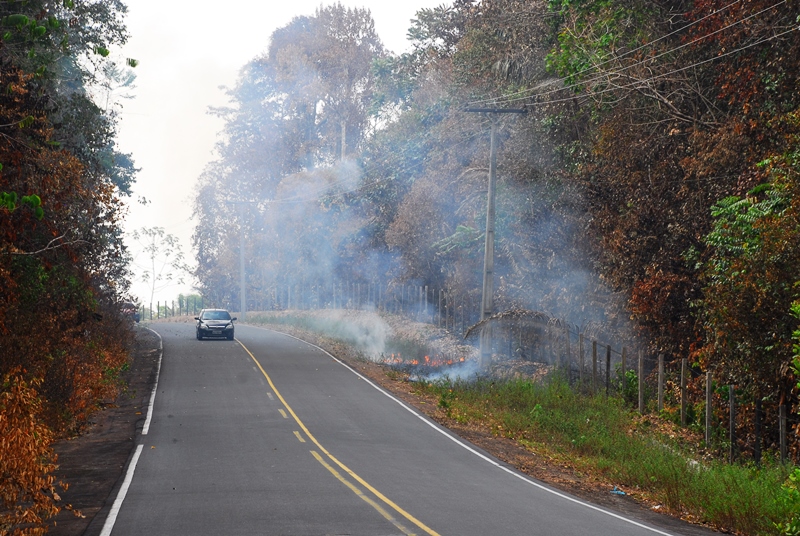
{"x": 146, "y": 427}
{"x": 112, "y": 515}
{"x": 463, "y": 445}
{"x": 108, "y": 526}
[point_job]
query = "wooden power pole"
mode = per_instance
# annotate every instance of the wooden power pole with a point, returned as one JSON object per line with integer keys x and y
{"x": 487, "y": 299}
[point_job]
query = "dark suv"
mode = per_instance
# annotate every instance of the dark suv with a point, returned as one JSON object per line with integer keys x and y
{"x": 214, "y": 323}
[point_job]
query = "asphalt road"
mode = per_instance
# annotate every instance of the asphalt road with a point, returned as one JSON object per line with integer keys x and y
{"x": 269, "y": 435}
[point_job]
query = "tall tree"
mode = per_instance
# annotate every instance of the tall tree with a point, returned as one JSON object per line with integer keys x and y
{"x": 305, "y": 103}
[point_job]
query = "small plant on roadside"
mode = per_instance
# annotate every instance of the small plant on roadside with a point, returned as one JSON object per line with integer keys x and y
{"x": 28, "y": 488}
{"x": 789, "y": 499}
{"x": 630, "y": 391}
{"x": 790, "y": 491}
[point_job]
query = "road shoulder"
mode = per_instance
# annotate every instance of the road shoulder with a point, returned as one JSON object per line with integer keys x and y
{"x": 93, "y": 462}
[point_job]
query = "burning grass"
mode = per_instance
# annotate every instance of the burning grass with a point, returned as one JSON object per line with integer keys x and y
{"x": 382, "y": 338}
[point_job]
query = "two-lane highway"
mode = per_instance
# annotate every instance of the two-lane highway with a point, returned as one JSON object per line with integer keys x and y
{"x": 270, "y": 435}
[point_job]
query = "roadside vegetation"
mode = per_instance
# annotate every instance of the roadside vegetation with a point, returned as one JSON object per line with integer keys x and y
{"x": 647, "y": 457}
{"x": 64, "y": 335}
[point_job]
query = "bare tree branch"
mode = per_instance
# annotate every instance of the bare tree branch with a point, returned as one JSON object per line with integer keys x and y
{"x": 50, "y": 246}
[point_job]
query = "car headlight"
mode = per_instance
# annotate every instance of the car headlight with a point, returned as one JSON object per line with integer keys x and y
{"x": 229, "y": 326}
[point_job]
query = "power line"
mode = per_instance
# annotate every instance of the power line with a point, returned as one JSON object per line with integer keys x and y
{"x": 662, "y": 75}
{"x": 637, "y": 82}
{"x": 530, "y": 93}
{"x": 314, "y": 195}
{"x": 563, "y": 79}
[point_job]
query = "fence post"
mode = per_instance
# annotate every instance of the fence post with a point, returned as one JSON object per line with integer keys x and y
{"x": 660, "y": 383}
{"x": 641, "y": 382}
{"x": 709, "y": 409}
{"x": 624, "y": 379}
{"x": 757, "y": 445}
{"x": 580, "y": 359}
{"x": 594, "y": 367}
{"x": 684, "y": 363}
{"x": 439, "y": 318}
{"x": 732, "y": 421}
{"x": 782, "y": 419}
{"x": 608, "y": 367}
{"x": 569, "y": 358}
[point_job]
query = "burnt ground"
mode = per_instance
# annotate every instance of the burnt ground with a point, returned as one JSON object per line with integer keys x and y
{"x": 93, "y": 463}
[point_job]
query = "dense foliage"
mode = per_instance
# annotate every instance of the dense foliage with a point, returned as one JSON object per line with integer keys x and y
{"x": 651, "y": 187}
{"x": 63, "y": 335}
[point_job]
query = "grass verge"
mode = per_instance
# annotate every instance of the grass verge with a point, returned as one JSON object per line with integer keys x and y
{"x": 600, "y": 435}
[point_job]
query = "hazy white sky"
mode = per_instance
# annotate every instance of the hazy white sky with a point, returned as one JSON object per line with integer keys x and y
{"x": 187, "y": 50}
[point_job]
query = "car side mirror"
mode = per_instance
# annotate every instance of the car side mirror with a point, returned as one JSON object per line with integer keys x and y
{"x": 197, "y": 318}
{"x": 232, "y": 319}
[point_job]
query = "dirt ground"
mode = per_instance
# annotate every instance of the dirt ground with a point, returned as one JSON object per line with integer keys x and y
{"x": 93, "y": 463}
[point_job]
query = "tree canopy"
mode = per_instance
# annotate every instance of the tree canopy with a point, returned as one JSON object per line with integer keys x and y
{"x": 63, "y": 266}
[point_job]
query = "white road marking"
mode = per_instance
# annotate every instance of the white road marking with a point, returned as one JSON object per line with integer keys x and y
{"x": 112, "y": 515}
{"x": 146, "y": 427}
{"x": 108, "y": 526}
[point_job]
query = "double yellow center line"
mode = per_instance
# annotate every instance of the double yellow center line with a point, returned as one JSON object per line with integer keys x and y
{"x": 375, "y": 504}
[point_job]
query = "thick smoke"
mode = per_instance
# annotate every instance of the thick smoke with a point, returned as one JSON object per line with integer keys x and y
{"x": 367, "y": 332}
{"x": 392, "y": 217}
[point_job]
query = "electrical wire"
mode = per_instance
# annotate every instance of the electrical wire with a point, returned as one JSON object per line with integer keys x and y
{"x": 314, "y": 195}
{"x": 531, "y": 93}
{"x": 675, "y": 71}
{"x": 679, "y": 30}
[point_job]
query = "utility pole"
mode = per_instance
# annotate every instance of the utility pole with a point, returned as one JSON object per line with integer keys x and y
{"x": 242, "y": 281}
{"x": 487, "y": 298}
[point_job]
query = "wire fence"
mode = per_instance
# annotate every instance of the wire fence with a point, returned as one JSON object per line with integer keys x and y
{"x": 651, "y": 384}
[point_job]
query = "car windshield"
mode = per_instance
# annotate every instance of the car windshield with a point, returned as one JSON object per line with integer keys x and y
{"x": 216, "y": 315}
